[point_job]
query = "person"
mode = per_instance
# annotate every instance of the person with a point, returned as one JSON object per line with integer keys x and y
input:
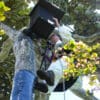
{"x": 54, "y": 72}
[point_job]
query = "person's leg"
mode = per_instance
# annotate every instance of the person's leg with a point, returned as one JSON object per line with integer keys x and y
{"x": 23, "y": 84}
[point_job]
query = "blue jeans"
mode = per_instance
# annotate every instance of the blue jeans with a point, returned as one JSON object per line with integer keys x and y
{"x": 23, "y": 84}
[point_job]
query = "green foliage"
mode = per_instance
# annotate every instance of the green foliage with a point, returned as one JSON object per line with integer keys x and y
{"x": 6, "y": 74}
{"x": 82, "y": 16}
{"x": 80, "y": 13}
{"x": 18, "y": 17}
{"x": 81, "y": 60}
{"x": 6, "y": 67}
{"x": 2, "y": 32}
{"x": 3, "y": 9}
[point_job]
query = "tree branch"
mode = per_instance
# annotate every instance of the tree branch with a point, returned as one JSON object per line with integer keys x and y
{"x": 7, "y": 45}
{"x": 12, "y": 33}
{"x": 90, "y": 39}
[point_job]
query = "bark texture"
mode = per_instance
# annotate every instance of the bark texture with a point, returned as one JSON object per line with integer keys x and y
{"x": 7, "y": 45}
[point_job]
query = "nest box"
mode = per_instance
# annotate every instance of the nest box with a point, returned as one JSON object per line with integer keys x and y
{"x": 41, "y": 18}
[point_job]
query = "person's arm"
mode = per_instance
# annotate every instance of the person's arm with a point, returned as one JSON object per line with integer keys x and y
{"x": 57, "y": 24}
{"x": 64, "y": 31}
{"x": 9, "y": 31}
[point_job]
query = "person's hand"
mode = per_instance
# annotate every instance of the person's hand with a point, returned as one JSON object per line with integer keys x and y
{"x": 58, "y": 52}
{"x": 56, "y": 22}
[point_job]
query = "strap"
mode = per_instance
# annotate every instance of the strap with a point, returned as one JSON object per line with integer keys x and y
{"x": 46, "y": 60}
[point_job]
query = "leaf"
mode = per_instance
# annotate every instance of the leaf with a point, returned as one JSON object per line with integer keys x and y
{"x": 6, "y": 8}
{"x": 2, "y": 18}
{"x": 2, "y": 32}
{"x": 3, "y": 6}
{"x": 3, "y": 9}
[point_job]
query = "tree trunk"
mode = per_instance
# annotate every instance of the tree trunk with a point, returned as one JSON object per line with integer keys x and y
{"x": 90, "y": 39}
{"x": 6, "y": 47}
{"x": 41, "y": 96}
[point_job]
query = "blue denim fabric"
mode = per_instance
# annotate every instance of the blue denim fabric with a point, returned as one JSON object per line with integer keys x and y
{"x": 23, "y": 84}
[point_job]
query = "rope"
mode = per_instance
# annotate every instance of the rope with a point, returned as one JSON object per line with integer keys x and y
{"x": 63, "y": 81}
{"x": 63, "y": 78}
{"x": 43, "y": 60}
